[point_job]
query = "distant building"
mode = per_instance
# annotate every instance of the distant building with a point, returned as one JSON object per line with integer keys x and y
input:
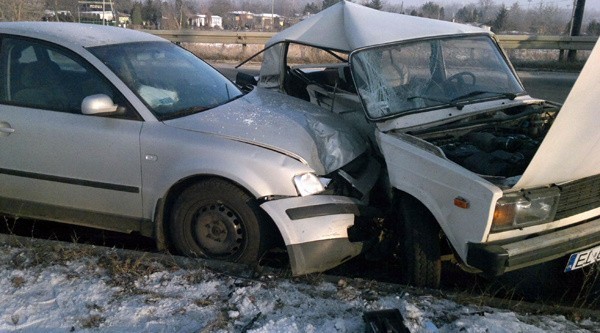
{"x": 96, "y": 10}
{"x": 268, "y": 21}
{"x": 216, "y": 21}
{"x": 206, "y": 21}
{"x": 123, "y": 19}
{"x": 238, "y": 20}
{"x": 57, "y": 15}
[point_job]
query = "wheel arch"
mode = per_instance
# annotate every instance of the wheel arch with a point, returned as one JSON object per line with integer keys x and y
{"x": 401, "y": 200}
{"x": 164, "y": 206}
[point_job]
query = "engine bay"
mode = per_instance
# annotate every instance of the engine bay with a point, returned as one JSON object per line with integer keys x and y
{"x": 498, "y": 146}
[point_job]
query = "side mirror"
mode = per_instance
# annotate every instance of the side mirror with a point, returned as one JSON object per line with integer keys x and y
{"x": 98, "y": 104}
{"x": 245, "y": 81}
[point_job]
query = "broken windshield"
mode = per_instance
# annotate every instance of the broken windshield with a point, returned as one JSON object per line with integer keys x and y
{"x": 449, "y": 72}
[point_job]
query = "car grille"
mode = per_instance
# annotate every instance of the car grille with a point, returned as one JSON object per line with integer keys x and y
{"x": 578, "y": 196}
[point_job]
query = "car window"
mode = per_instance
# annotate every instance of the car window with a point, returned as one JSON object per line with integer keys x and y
{"x": 490, "y": 69}
{"x": 43, "y": 76}
{"x": 408, "y": 77}
{"x": 170, "y": 80}
{"x": 307, "y": 65}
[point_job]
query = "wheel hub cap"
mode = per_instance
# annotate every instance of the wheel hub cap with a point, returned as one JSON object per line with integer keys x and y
{"x": 218, "y": 230}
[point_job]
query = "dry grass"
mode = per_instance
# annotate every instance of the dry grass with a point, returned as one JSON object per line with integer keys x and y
{"x": 237, "y": 53}
{"x": 589, "y": 294}
{"x": 224, "y": 52}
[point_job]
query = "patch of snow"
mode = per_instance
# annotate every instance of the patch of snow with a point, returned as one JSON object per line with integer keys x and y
{"x": 89, "y": 295}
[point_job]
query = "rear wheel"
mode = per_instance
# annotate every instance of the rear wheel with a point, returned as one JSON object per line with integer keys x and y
{"x": 419, "y": 245}
{"x": 217, "y": 220}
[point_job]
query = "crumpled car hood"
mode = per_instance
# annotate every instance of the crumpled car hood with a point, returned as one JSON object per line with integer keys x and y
{"x": 571, "y": 149}
{"x": 282, "y": 123}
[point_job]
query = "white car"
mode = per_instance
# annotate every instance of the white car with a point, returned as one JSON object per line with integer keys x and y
{"x": 122, "y": 130}
{"x": 479, "y": 172}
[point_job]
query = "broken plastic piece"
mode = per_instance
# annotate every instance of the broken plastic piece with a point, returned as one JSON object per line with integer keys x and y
{"x": 388, "y": 321}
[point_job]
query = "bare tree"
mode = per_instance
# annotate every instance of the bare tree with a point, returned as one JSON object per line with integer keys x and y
{"x": 548, "y": 20}
{"x": 593, "y": 28}
{"x": 375, "y": 4}
{"x": 432, "y": 10}
{"x": 220, "y": 7}
{"x": 517, "y": 20}
{"x": 499, "y": 22}
{"x": 485, "y": 8}
{"x": 21, "y": 10}
{"x": 468, "y": 14}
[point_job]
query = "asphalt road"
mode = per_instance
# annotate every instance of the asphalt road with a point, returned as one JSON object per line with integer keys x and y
{"x": 553, "y": 86}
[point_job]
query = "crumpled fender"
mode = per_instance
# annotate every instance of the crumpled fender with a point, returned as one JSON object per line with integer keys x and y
{"x": 315, "y": 230}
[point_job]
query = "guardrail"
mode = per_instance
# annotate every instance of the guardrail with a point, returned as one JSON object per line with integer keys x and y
{"x": 547, "y": 42}
{"x": 203, "y": 36}
{"x": 506, "y": 41}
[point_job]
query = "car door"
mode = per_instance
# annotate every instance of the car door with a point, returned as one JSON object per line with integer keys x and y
{"x": 55, "y": 162}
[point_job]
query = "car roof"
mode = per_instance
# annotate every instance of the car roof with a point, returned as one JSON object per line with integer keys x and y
{"x": 86, "y": 35}
{"x": 350, "y": 26}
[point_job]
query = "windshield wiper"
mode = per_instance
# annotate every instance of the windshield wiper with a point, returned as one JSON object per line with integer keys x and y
{"x": 459, "y": 106}
{"x": 474, "y": 93}
{"x": 455, "y": 102}
{"x": 184, "y": 112}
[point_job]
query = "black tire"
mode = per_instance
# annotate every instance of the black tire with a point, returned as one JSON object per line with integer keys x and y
{"x": 215, "y": 219}
{"x": 419, "y": 245}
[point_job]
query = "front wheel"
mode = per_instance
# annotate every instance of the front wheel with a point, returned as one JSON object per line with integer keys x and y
{"x": 419, "y": 245}
{"x": 215, "y": 219}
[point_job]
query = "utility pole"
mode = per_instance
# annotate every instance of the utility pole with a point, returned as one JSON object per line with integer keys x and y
{"x": 576, "y": 26}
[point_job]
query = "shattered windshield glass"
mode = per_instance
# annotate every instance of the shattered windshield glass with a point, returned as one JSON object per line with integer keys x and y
{"x": 171, "y": 81}
{"x": 410, "y": 77}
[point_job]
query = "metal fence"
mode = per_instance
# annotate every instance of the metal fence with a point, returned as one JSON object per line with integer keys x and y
{"x": 506, "y": 41}
{"x": 547, "y": 42}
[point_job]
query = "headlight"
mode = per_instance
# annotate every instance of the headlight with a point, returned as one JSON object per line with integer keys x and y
{"x": 525, "y": 208}
{"x": 309, "y": 183}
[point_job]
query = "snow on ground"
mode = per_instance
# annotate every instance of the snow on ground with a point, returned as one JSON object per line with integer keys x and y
{"x": 62, "y": 288}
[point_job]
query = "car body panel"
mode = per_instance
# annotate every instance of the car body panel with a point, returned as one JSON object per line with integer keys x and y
{"x": 252, "y": 167}
{"x": 75, "y": 35}
{"x": 351, "y": 26}
{"x": 574, "y": 134}
{"x": 418, "y": 121}
{"x": 264, "y": 118}
{"x": 68, "y": 160}
{"x": 437, "y": 182}
{"x": 318, "y": 241}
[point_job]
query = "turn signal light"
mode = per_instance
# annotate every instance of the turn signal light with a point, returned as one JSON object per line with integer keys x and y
{"x": 461, "y": 203}
{"x": 504, "y": 216}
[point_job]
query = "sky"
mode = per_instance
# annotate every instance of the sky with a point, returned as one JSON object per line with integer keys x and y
{"x": 590, "y": 4}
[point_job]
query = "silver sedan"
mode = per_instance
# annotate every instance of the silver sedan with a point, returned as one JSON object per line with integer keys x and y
{"x": 122, "y": 130}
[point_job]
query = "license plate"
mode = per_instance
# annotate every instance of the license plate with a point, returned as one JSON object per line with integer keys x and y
{"x": 583, "y": 258}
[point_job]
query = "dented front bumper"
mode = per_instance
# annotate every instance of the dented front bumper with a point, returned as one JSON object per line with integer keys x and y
{"x": 315, "y": 230}
{"x": 496, "y": 259}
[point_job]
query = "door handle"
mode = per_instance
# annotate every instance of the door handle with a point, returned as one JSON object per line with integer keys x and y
{"x": 5, "y": 129}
